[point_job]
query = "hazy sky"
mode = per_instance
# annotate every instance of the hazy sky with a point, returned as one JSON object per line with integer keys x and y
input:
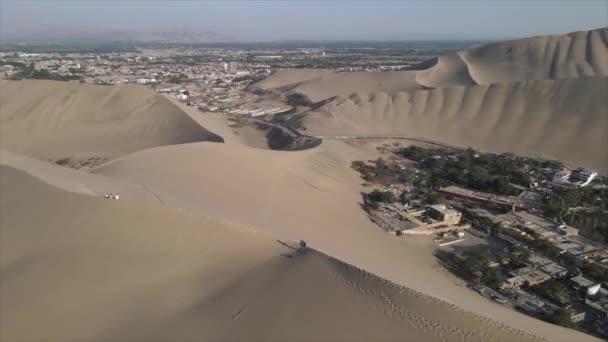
{"x": 274, "y": 20}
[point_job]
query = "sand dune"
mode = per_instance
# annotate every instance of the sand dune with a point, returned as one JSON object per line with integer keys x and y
{"x": 83, "y": 268}
{"x": 320, "y": 85}
{"x": 77, "y": 267}
{"x": 445, "y": 71}
{"x": 311, "y": 195}
{"x": 572, "y": 55}
{"x": 49, "y": 119}
{"x": 577, "y": 54}
{"x": 562, "y": 119}
{"x": 541, "y": 96}
{"x": 290, "y": 78}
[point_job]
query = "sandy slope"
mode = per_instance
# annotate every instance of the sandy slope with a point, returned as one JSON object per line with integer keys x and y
{"x": 446, "y": 71}
{"x": 311, "y": 195}
{"x": 49, "y": 119}
{"x": 577, "y": 54}
{"x": 563, "y": 119}
{"x": 77, "y": 268}
{"x": 81, "y": 268}
{"x": 79, "y": 181}
{"x": 322, "y": 84}
{"x": 535, "y": 96}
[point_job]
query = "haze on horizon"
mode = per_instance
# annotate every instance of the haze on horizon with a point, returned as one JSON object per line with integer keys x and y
{"x": 305, "y": 20}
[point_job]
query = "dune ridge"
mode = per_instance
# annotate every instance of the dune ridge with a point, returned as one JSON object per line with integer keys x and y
{"x": 152, "y": 266}
{"x": 49, "y": 119}
{"x": 541, "y": 97}
{"x": 312, "y": 195}
{"x": 562, "y": 119}
{"x": 572, "y": 55}
{"x": 323, "y": 84}
{"x": 86, "y": 268}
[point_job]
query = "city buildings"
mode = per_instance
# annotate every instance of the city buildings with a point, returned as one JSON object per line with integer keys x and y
{"x": 442, "y": 213}
{"x": 506, "y": 202}
{"x": 578, "y": 177}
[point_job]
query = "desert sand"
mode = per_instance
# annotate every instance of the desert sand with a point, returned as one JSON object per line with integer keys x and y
{"x": 541, "y": 96}
{"x": 311, "y": 195}
{"x": 328, "y": 84}
{"x": 48, "y": 119}
{"x": 534, "y": 118}
{"x": 76, "y": 268}
{"x": 190, "y": 251}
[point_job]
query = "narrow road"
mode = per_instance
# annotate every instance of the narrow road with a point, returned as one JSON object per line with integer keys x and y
{"x": 422, "y": 140}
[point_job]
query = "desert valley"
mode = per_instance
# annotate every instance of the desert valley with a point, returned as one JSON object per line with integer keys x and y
{"x": 255, "y": 228}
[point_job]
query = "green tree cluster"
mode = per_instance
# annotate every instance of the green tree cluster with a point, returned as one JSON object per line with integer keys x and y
{"x": 476, "y": 267}
{"x": 595, "y": 271}
{"x": 381, "y": 196}
{"x": 491, "y": 173}
{"x": 30, "y": 72}
{"x": 519, "y": 255}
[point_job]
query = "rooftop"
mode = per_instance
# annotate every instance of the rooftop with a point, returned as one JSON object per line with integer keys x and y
{"x": 538, "y": 260}
{"x": 600, "y": 301}
{"x": 481, "y": 196}
{"x": 441, "y": 208}
{"x": 554, "y": 269}
{"x": 536, "y": 276}
{"x": 582, "y": 281}
{"x": 522, "y": 271}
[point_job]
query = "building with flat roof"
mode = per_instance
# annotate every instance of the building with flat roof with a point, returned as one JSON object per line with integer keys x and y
{"x": 586, "y": 284}
{"x": 522, "y": 270}
{"x": 443, "y": 213}
{"x": 576, "y": 314}
{"x": 575, "y": 245}
{"x": 529, "y": 275}
{"x": 507, "y": 202}
{"x": 538, "y": 260}
{"x": 598, "y": 303}
{"x": 555, "y": 270}
{"x": 535, "y": 277}
{"x": 578, "y": 177}
{"x": 513, "y": 282}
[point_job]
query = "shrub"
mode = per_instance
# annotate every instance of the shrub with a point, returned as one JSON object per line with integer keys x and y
{"x": 298, "y": 99}
{"x": 381, "y": 196}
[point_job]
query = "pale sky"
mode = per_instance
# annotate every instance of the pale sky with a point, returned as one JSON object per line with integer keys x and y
{"x": 287, "y": 19}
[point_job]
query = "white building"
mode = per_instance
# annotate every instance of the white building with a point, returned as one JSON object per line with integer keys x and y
{"x": 579, "y": 177}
